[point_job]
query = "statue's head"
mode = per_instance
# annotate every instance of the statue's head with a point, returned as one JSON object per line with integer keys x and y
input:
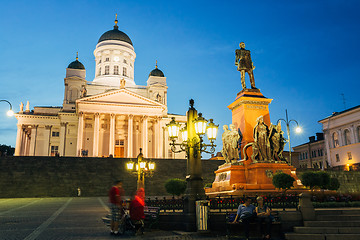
{"x": 260, "y": 119}
{"x": 225, "y": 127}
{"x": 232, "y": 127}
{"x": 242, "y": 45}
{"x": 278, "y": 127}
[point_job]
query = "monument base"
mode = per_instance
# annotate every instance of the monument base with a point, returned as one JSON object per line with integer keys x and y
{"x": 239, "y": 178}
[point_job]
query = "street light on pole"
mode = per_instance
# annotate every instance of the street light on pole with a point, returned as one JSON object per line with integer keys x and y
{"x": 297, "y": 130}
{"x": 10, "y": 113}
{"x": 142, "y": 168}
{"x": 192, "y": 143}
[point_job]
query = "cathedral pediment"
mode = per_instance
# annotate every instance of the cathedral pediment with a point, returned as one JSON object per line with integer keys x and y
{"x": 120, "y": 100}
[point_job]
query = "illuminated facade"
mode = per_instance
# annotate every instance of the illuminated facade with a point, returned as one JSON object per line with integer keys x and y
{"x": 342, "y": 138}
{"x": 110, "y": 115}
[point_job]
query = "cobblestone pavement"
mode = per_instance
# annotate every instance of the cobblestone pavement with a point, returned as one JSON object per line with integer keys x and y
{"x": 67, "y": 218}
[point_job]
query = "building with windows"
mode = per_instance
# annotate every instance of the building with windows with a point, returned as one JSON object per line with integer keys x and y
{"x": 311, "y": 154}
{"x": 108, "y": 116}
{"x": 342, "y": 138}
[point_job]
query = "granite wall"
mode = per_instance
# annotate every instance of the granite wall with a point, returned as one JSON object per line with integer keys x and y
{"x": 61, "y": 176}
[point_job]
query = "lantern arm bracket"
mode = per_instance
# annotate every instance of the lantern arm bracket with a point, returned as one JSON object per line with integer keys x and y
{"x": 203, "y": 146}
{"x": 183, "y": 147}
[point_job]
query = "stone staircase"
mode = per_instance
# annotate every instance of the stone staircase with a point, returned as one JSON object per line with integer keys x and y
{"x": 339, "y": 224}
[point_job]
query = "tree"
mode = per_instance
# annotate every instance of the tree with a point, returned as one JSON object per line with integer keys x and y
{"x": 324, "y": 178}
{"x": 175, "y": 186}
{"x": 283, "y": 181}
{"x": 6, "y": 150}
{"x": 334, "y": 184}
{"x": 310, "y": 179}
{"x": 318, "y": 179}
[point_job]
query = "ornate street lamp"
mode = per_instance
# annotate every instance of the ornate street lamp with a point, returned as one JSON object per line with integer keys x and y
{"x": 10, "y": 113}
{"x": 192, "y": 143}
{"x": 142, "y": 168}
{"x": 297, "y": 130}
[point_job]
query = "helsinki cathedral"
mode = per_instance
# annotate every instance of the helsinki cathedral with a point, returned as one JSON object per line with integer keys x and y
{"x": 109, "y": 116}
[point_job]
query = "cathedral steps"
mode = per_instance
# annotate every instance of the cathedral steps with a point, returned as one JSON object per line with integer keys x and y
{"x": 338, "y": 224}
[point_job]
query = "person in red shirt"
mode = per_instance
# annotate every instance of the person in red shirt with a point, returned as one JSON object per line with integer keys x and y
{"x": 115, "y": 203}
{"x": 137, "y": 206}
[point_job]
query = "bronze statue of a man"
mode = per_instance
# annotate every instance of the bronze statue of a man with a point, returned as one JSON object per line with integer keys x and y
{"x": 244, "y": 64}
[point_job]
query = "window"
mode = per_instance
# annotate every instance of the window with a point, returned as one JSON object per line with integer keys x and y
{"x": 337, "y": 158}
{"x": 320, "y": 163}
{"x": 124, "y": 71}
{"x": 116, "y": 70}
{"x": 125, "y": 61}
{"x": 107, "y": 70}
{"x": 358, "y": 133}
{"x": 349, "y": 156}
{"x": 119, "y": 142}
{"x": 99, "y": 61}
{"x": 55, "y": 134}
{"x": 306, "y": 155}
{"x": 347, "y": 137}
{"x": 335, "y": 138}
{"x": 99, "y": 71}
{"x": 54, "y": 150}
{"x": 107, "y": 59}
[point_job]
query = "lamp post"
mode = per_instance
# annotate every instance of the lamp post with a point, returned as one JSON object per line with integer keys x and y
{"x": 141, "y": 168}
{"x": 192, "y": 143}
{"x": 287, "y": 122}
{"x": 10, "y": 113}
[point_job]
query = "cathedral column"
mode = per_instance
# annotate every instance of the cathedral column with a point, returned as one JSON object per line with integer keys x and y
{"x": 96, "y": 135}
{"x": 112, "y": 135}
{"x": 144, "y": 136}
{"x": 80, "y": 134}
{"x": 24, "y": 148}
{"x": 32, "y": 150}
{"x": 157, "y": 145}
{"x": 19, "y": 139}
{"x": 130, "y": 136}
{"x": 47, "y": 137}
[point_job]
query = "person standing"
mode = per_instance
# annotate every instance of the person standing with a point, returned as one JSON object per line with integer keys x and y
{"x": 115, "y": 203}
{"x": 245, "y": 214}
{"x": 263, "y": 217}
{"x": 137, "y": 206}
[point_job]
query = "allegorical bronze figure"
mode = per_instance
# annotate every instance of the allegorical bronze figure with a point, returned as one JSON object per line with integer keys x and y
{"x": 244, "y": 64}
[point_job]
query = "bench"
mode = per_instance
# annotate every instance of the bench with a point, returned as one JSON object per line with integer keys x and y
{"x": 232, "y": 228}
{"x": 151, "y": 216}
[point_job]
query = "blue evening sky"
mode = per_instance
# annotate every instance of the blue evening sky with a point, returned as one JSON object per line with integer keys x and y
{"x": 306, "y": 53}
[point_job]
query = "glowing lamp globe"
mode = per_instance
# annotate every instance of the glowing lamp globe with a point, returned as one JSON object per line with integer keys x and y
{"x": 151, "y": 166}
{"x": 200, "y": 125}
{"x": 184, "y": 134}
{"x": 212, "y": 130}
{"x": 10, "y": 113}
{"x": 142, "y": 165}
{"x": 298, "y": 130}
{"x": 173, "y": 128}
{"x": 130, "y": 165}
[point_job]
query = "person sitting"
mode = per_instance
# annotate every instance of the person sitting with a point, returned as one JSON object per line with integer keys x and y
{"x": 263, "y": 217}
{"x": 245, "y": 214}
{"x": 137, "y": 215}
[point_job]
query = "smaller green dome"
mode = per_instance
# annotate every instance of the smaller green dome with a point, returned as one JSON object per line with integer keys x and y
{"x": 76, "y": 64}
{"x": 156, "y": 72}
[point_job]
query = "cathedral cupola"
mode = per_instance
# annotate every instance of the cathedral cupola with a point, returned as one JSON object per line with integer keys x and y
{"x": 156, "y": 72}
{"x": 115, "y": 58}
{"x": 76, "y": 64}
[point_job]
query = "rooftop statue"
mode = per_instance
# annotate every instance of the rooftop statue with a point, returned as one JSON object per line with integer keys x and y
{"x": 244, "y": 64}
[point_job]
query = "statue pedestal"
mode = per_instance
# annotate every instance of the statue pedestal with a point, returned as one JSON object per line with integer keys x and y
{"x": 247, "y": 107}
{"x": 238, "y": 179}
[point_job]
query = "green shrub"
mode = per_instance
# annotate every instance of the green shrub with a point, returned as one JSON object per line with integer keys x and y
{"x": 334, "y": 184}
{"x": 310, "y": 179}
{"x": 324, "y": 178}
{"x": 283, "y": 181}
{"x": 175, "y": 186}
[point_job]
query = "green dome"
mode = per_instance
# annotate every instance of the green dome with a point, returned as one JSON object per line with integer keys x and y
{"x": 76, "y": 65}
{"x": 115, "y": 34}
{"x": 156, "y": 73}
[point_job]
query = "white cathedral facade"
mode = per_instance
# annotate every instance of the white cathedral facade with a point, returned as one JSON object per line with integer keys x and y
{"x": 110, "y": 116}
